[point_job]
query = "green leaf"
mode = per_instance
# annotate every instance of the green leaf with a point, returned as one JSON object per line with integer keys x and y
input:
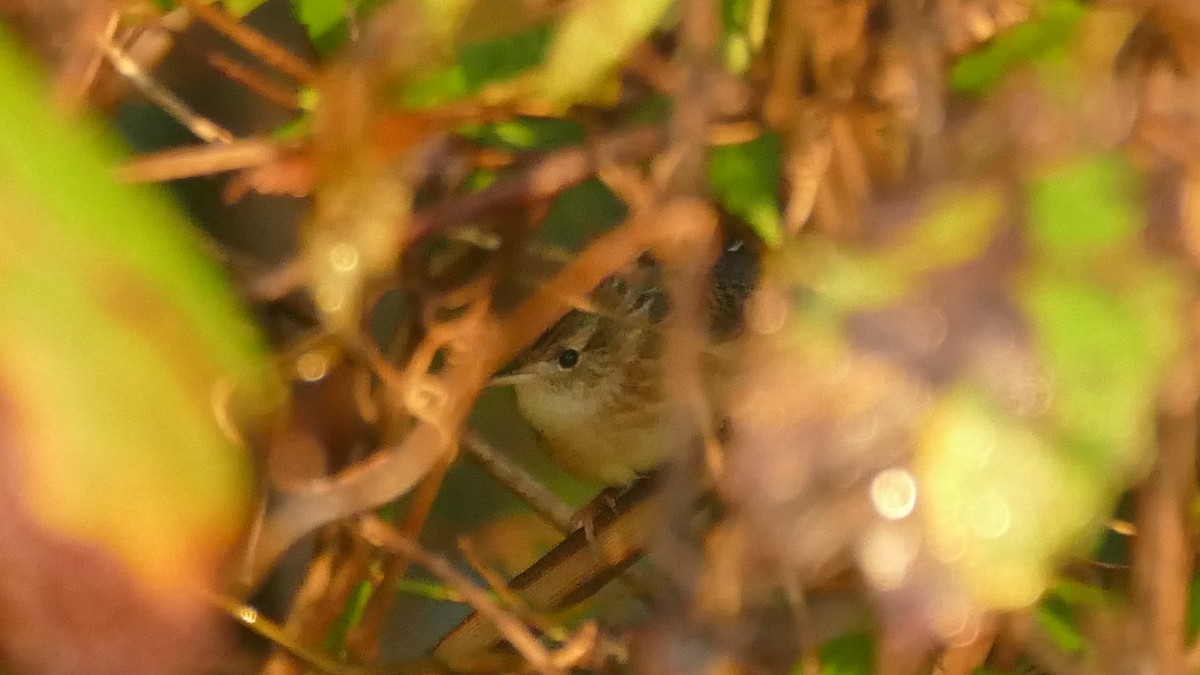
{"x": 1066, "y": 600}
{"x": 849, "y": 654}
{"x": 428, "y": 589}
{"x": 591, "y": 42}
{"x": 238, "y": 8}
{"x": 478, "y": 64}
{"x": 327, "y": 21}
{"x": 1059, "y": 613}
{"x": 504, "y": 57}
{"x": 1071, "y": 592}
{"x": 1100, "y": 352}
{"x": 350, "y": 616}
{"x": 1106, "y": 330}
{"x": 1057, "y": 619}
{"x": 582, "y": 212}
{"x": 1193, "y": 609}
{"x": 528, "y": 133}
{"x": 1082, "y": 208}
{"x": 745, "y": 178}
{"x": 1041, "y": 39}
{"x": 320, "y": 17}
{"x": 956, "y": 225}
{"x": 745, "y": 29}
{"x": 241, "y": 7}
{"x": 1060, "y": 627}
{"x": 428, "y": 90}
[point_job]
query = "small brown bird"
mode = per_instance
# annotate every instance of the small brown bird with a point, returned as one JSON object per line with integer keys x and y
{"x": 593, "y": 385}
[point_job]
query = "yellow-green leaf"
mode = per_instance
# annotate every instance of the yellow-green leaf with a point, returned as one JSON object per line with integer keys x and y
{"x": 121, "y": 348}
{"x": 591, "y": 42}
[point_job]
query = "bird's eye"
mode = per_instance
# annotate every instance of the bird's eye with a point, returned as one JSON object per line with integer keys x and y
{"x": 568, "y": 358}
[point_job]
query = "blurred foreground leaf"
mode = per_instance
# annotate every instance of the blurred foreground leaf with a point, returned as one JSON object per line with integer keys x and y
{"x": 1043, "y": 39}
{"x": 966, "y": 398}
{"x": 120, "y": 346}
{"x": 1104, "y": 335}
{"x": 591, "y": 42}
{"x": 849, "y": 654}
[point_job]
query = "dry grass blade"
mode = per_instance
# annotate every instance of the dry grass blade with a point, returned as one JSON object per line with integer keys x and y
{"x": 250, "y": 618}
{"x": 330, "y": 582}
{"x": 499, "y": 586}
{"x": 364, "y": 638}
{"x": 377, "y": 480}
{"x": 573, "y": 571}
{"x": 203, "y": 160}
{"x": 513, "y": 629}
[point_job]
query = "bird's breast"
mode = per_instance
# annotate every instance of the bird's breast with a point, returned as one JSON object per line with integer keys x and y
{"x": 596, "y": 437}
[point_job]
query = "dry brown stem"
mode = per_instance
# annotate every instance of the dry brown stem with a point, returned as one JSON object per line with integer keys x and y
{"x": 199, "y": 160}
{"x": 572, "y": 571}
{"x": 1163, "y": 555}
{"x": 363, "y": 640}
{"x": 517, "y": 481}
{"x": 513, "y": 629}
{"x": 240, "y": 73}
{"x": 202, "y": 127}
{"x": 251, "y": 40}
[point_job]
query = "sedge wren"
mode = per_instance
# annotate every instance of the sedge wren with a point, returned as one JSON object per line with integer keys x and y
{"x": 593, "y": 384}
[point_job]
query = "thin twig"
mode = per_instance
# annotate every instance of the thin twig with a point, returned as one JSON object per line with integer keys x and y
{"x": 238, "y": 72}
{"x": 317, "y": 579}
{"x": 199, "y": 160}
{"x": 790, "y": 40}
{"x": 918, "y": 37}
{"x": 500, "y": 587}
{"x": 1162, "y": 554}
{"x": 251, "y": 40}
{"x": 518, "y": 481}
{"x": 544, "y": 179}
{"x": 363, "y": 641}
{"x": 202, "y": 127}
{"x": 516, "y": 632}
{"x": 572, "y": 571}
{"x": 328, "y": 585}
{"x": 253, "y": 620}
{"x": 647, "y": 64}
{"x": 78, "y": 72}
{"x": 810, "y": 149}
{"x": 688, "y": 285}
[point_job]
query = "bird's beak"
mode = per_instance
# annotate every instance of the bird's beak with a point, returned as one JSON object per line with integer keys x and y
{"x": 510, "y": 379}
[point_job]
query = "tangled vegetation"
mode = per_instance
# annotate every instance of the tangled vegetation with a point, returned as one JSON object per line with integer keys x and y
{"x": 902, "y": 292}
